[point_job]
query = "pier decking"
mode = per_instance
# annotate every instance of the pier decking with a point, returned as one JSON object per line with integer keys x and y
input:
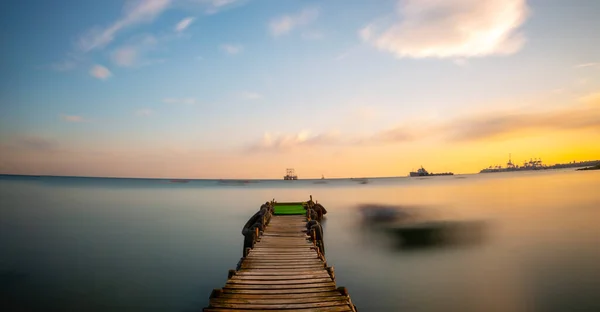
{"x": 283, "y": 268}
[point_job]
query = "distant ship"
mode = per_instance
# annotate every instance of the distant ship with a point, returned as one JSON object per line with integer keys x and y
{"x": 423, "y": 173}
{"x": 290, "y": 174}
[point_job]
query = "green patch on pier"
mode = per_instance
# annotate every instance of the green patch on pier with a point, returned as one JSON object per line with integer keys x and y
{"x": 289, "y": 209}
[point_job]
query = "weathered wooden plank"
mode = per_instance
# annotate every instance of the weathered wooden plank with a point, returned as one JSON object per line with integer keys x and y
{"x": 276, "y": 245}
{"x": 239, "y": 300}
{"x": 261, "y": 272}
{"x": 310, "y": 305}
{"x": 283, "y": 258}
{"x": 282, "y": 267}
{"x": 286, "y": 296}
{"x": 275, "y": 253}
{"x": 279, "y": 291}
{"x": 267, "y": 286}
{"x": 283, "y": 249}
{"x": 323, "y": 274}
{"x": 327, "y": 309}
{"x": 279, "y": 245}
{"x": 281, "y": 282}
{"x": 285, "y": 262}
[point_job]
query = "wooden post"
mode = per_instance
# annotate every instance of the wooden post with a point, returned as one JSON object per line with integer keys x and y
{"x": 314, "y": 237}
{"x": 343, "y": 291}
{"x": 230, "y": 274}
{"x": 256, "y": 233}
{"x": 331, "y": 273}
{"x": 216, "y": 293}
{"x": 246, "y": 252}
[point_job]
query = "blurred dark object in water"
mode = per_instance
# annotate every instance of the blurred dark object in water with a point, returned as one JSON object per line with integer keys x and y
{"x": 596, "y": 167}
{"x": 418, "y": 227}
{"x": 360, "y": 180}
{"x": 377, "y": 213}
{"x": 439, "y": 233}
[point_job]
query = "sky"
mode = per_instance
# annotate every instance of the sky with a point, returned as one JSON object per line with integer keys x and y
{"x": 248, "y": 88}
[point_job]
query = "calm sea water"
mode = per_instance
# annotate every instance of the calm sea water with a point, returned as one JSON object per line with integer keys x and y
{"x": 88, "y": 244}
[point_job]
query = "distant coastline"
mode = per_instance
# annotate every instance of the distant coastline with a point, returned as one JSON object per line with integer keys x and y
{"x": 582, "y": 165}
{"x": 596, "y": 167}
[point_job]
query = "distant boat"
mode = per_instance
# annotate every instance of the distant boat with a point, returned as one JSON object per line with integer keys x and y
{"x": 179, "y": 181}
{"x": 322, "y": 177}
{"x": 424, "y": 173}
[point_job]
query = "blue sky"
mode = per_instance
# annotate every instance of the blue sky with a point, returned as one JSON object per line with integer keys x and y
{"x": 255, "y": 83}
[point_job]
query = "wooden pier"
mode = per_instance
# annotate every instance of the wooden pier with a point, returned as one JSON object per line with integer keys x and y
{"x": 284, "y": 266}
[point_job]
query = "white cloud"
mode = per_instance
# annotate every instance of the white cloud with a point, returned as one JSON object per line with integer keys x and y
{"x": 100, "y": 72}
{"x": 184, "y": 24}
{"x": 125, "y": 56}
{"x": 134, "y": 53}
{"x": 232, "y": 48}
{"x": 145, "y": 112}
{"x": 284, "y": 24}
{"x": 72, "y": 118}
{"x": 135, "y": 12}
{"x": 251, "y": 96}
{"x": 452, "y": 29}
{"x": 180, "y": 101}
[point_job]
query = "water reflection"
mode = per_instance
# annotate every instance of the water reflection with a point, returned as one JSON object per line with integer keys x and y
{"x": 414, "y": 227}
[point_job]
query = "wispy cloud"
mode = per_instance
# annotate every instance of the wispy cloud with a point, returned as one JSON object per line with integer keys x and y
{"x": 232, "y": 49}
{"x": 125, "y": 56}
{"x": 215, "y": 6}
{"x": 180, "y": 101}
{"x": 596, "y": 65}
{"x": 144, "y": 112}
{"x": 502, "y": 125}
{"x": 489, "y": 127}
{"x": 452, "y": 29}
{"x": 100, "y": 72}
{"x": 251, "y": 96}
{"x": 184, "y": 24}
{"x": 37, "y": 143}
{"x": 134, "y": 12}
{"x": 287, "y": 142}
{"x": 135, "y": 52}
{"x": 285, "y": 24}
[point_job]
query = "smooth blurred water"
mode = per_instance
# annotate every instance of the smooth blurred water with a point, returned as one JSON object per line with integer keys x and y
{"x": 91, "y": 244}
